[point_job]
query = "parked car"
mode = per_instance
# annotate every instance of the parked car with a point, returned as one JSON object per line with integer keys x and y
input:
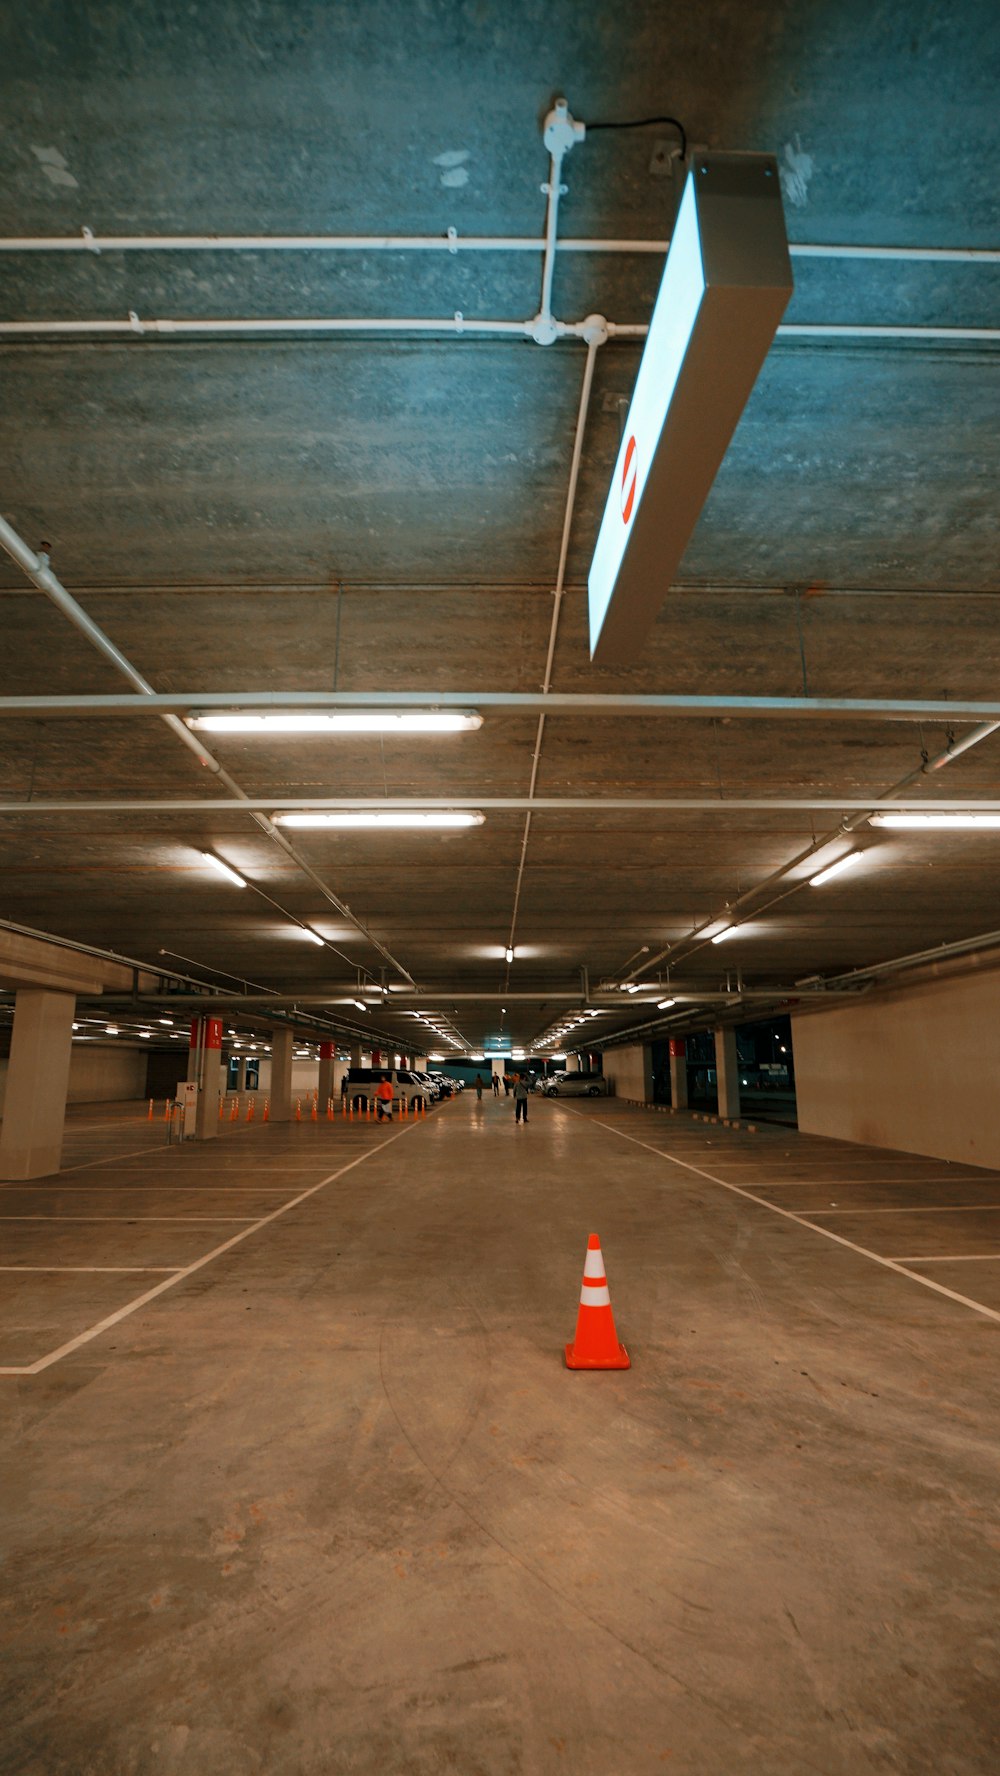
{"x": 361, "y": 1083}
{"x": 433, "y": 1085}
{"x": 446, "y": 1086}
{"x": 576, "y": 1085}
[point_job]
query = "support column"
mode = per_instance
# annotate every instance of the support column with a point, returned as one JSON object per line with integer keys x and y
{"x": 678, "y": 1073}
{"x": 727, "y": 1073}
{"x": 282, "y": 1044}
{"x": 355, "y": 1054}
{"x": 327, "y": 1059}
{"x": 37, "y": 1080}
{"x": 572, "y": 1063}
{"x": 203, "y": 1065}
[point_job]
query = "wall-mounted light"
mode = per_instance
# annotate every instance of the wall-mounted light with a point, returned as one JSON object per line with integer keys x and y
{"x": 224, "y": 869}
{"x": 373, "y": 819}
{"x": 339, "y": 721}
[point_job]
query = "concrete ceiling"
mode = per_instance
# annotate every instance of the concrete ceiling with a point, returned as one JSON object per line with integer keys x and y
{"x": 379, "y": 513}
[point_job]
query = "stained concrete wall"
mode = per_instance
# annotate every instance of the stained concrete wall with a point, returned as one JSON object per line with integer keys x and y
{"x": 917, "y": 1069}
{"x": 99, "y": 1075}
{"x": 629, "y": 1072}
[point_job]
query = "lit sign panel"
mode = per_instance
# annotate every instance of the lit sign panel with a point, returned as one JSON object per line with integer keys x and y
{"x": 725, "y": 286}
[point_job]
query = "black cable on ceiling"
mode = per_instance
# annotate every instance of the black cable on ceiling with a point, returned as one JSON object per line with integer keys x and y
{"x": 644, "y": 123}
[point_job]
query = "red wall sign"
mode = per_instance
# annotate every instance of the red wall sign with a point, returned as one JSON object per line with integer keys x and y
{"x": 677, "y": 1049}
{"x": 213, "y": 1033}
{"x": 327, "y": 1051}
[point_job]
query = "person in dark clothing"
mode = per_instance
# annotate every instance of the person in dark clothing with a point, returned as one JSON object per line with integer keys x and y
{"x": 479, "y": 1088}
{"x": 496, "y": 1085}
{"x": 520, "y": 1099}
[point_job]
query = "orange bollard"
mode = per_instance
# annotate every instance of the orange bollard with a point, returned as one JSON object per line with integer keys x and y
{"x": 220, "y": 1106}
{"x": 329, "y": 1109}
{"x": 368, "y": 1110}
{"x": 314, "y": 1112}
{"x": 166, "y": 1109}
{"x": 350, "y": 1113}
{"x": 343, "y": 1105}
{"x": 298, "y": 1109}
{"x": 251, "y": 1107}
{"x": 267, "y": 1110}
{"x": 423, "y": 1107}
{"x": 235, "y": 1111}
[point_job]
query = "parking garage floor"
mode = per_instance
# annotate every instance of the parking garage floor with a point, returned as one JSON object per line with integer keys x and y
{"x": 295, "y": 1480}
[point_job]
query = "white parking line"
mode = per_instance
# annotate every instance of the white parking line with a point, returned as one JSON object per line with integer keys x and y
{"x": 894, "y": 1264}
{"x": 86, "y": 1270}
{"x": 206, "y": 1220}
{"x": 918, "y": 1209}
{"x": 170, "y": 1282}
{"x": 952, "y": 1258}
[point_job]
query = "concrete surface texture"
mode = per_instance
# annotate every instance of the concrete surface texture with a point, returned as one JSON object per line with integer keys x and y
{"x": 331, "y": 1503}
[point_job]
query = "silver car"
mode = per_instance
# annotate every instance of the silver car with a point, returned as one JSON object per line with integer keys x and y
{"x": 576, "y": 1085}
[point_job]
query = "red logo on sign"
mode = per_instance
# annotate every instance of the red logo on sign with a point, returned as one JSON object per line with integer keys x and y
{"x": 628, "y": 480}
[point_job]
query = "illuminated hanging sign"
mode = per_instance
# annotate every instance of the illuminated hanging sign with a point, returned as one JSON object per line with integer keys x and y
{"x": 725, "y": 287}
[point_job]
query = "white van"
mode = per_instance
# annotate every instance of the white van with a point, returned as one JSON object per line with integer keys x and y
{"x": 361, "y": 1082}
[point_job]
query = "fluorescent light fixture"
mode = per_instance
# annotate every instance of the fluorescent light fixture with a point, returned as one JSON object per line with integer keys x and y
{"x": 726, "y": 284}
{"x": 508, "y": 954}
{"x": 307, "y": 932}
{"x": 223, "y": 869}
{"x": 361, "y": 1005}
{"x": 834, "y": 869}
{"x": 170, "y": 1023}
{"x": 665, "y": 1004}
{"x": 145, "y": 1035}
{"x": 373, "y": 818}
{"x": 938, "y": 822}
{"x": 727, "y": 931}
{"x": 339, "y": 721}
{"x": 111, "y": 1029}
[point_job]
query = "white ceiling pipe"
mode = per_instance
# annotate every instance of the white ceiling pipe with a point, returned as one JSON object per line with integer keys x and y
{"x": 88, "y": 241}
{"x": 568, "y": 703}
{"x": 595, "y": 804}
{"x": 37, "y": 569}
{"x": 558, "y": 593}
{"x": 456, "y": 324}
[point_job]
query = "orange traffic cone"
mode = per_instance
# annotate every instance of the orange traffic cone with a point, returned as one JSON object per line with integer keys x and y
{"x": 235, "y": 1111}
{"x": 150, "y": 1116}
{"x": 267, "y": 1110}
{"x": 596, "y": 1343}
{"x": 250, "y": 1109}
{"x": 298, "y": 1109}
{"x": 166, "y": 1109}
{"x": 343, "y": 1106}
{"x": 329, "y": 1109}
{"x": 368, "y": 1110}
{"x": 314, "y": 1113}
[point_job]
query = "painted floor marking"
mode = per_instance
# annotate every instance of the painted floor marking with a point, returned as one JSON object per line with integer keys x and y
{"x": 916, "y": 1209}
{"x": 88, "y": 1270}
{"x": 952, "y": 1258}
{"x": 132, "y": 1220}
{"x": 894, "y": 1264}
{"x": 177, "y": 1276}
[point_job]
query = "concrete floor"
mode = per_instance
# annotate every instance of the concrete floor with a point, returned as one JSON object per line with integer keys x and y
{"x": 331, "y": 1502}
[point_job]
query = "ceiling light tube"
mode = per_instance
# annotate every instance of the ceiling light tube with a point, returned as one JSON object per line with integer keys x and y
{"x": 834, "y": 869}
{"x": 938, "y": 822}
{"x": 372, "y": 818}
{"x": 231, "y": 875}
{"x": 508, "y": 954}
{"x": 338, "y": 721}
{"x": 665, "y": 1004}
{"x": 727, "y": 931}
{"x": 361, "y": 1005}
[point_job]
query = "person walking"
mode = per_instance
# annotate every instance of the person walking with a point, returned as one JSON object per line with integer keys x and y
{"x": 496, "y": 1085}
{"x": 506, "y": 1085}
{"x": 383, "y": 1101}
{"x": 479, "y": 1088}
{"x": 520, "y": 1099}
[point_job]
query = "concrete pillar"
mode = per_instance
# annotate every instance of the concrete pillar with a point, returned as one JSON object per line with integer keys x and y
{"x": 727, "y": 1073}
{"x": 282, "y": 1043}
{"x": 203, "y": 1065}
{"x": 355, "y": 1054}
{"x": 572, "y": 1063}
{"x": 37, "y": 1079}
{"x": 678, "y": 1073}
{"x": 327, "y": 1064}
{"x": 420, "y": 1063}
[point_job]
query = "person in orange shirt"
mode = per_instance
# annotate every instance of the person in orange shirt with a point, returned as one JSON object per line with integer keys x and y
{"x": 383, "y": 1100}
